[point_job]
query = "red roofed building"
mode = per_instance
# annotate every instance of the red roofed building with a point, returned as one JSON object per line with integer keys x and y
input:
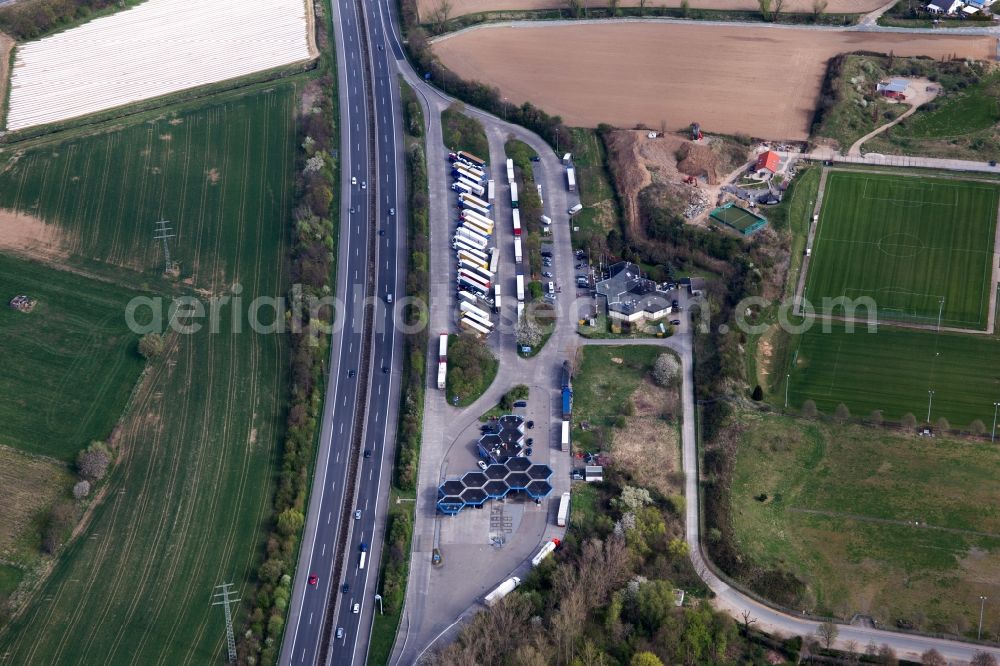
{"x": 768, "y": 160}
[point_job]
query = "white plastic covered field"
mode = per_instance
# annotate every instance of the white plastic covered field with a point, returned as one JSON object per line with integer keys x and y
{"x": 155, "y": 48}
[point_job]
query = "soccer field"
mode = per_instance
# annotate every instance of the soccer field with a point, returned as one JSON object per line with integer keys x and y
{"x": 917, "y": 246}
{"x": 892, "y": 370}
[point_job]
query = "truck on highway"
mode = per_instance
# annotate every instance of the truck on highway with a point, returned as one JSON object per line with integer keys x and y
{"x": 571, "y": 179}
{"x": 520, "y": 288}
{"x": 564, "y": 439}
{"x": 563, "y": 510}
{"x": 517, "y": 249}
{"x": 490, "y": 190}
{"x": 364, "y": 558}
{"x": 546, "y": 550}
{"x": 502, "y": 590}
{"x": 513, "y": 195}
{"x": 575, "y": 209}
{"x": 475, "y": 201}
{"x": 470, "y": 158}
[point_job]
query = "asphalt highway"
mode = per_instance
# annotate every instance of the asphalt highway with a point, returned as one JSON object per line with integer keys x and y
{"x": 310, "y": 603}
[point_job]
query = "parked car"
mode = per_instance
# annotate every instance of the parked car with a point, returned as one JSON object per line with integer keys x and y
{"x": 521, "y": 403}
{"x": 530, "y": 424}
{"x": 482, "y": 464}
{"x": 674, "y": 304}
{"x": 675, "y": 322}
{"x": 536, "y": 158}
{"x": 313, "y": 579}
{"x": 547, "y": 274}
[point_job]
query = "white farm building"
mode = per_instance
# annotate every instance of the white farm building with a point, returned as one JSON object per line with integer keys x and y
{"x": 156, "y": 48}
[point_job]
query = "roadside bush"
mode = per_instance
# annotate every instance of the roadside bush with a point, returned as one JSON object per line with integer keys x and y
{"x": 151, "y": 346}
{"x": 28, "y": 20}
{"x": 81, "y": 489}
{"x": 92, "y": 463}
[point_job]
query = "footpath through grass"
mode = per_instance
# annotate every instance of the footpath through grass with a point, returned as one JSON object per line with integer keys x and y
{"x": 70, "y": 363}
{"x": 839, "y": 507}
{"x": 186, "y": 508}
{"x": 917, "y": 246}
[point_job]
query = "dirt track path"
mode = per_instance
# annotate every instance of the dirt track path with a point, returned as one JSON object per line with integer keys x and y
{"x": 919, "y": 92}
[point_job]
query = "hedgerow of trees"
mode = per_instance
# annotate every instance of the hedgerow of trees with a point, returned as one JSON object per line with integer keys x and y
{"x": 312, "y": 262}
{"x": 27, "y": 20}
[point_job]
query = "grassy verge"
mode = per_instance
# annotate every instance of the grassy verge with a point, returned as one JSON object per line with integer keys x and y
{"x": 471, "y": 369}
{"x": 506, "y": 404}
{"x": 460, "y": 132}
{"x": 856, "y": 513}
{"x": 600, "y": 215}
{"x": 394, "y": 571}
{"x": 207, "y": 426}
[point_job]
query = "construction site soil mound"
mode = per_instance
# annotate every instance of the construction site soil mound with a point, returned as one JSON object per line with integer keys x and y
{"x": 461, "y": 7}
{"x": 759, "y": 80}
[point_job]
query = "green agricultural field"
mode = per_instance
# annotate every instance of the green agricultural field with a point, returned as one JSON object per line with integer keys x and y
{"x": 71, "y": 362}
{"x": 913, "y": 244}
{"x": 838, "y": 507}
{"x": 973, "y": 110}
{"x": 893, "y": 369}
{"x": 186, "y": 508}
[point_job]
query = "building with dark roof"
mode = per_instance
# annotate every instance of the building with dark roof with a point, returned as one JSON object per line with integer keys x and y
{"x": 631, "y": 297}
{"x": 503, "y": 439}
{"x": 497, "y": 481}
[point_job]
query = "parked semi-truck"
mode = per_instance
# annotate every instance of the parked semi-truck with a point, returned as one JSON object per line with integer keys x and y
{"x": 442, "y": 359}
{"x": 473, "y": 237}
{"x": 472, "y": 213}
{"x": 465, "y": 166}
{"x": 490, "y": 190}
{"x": 517, "y": 249}
{"x": 564, "y": 439}
{"x": 460, "y": 172}
{"x": 483, "y": 283}
{"x": 517, "y": 222}
{"x": 496, "y": 297}
{"x": 468, "y": 205}
{"x": 520, "y": 288}
{"x": 465, "y": 284}
{"x": 475, "y": 261}
{"x": 510, "y": 170}
{"x": 474, "y": 188}
{"x": 494, "y": 262}
{"x": 473, "y": 325}
{"x": 502, "y": 590}
{"x": 462, "y": 246}
{"x": 540, "y": 199}
{"x": 571, "y": 179}
{"x": 470, "y": 158}
{"x": 546, "y": 550}
{"x": 563, "y": 510}
{"x": 473, "y": 199}
{"x": 513, "y": 195}
{"x": 461, "y": 188}
{"x": 478, "y": 227}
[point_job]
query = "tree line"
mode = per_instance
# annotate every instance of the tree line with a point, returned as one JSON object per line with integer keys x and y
{"x": 28, "y": 20}
{"x": 312, "y": 264}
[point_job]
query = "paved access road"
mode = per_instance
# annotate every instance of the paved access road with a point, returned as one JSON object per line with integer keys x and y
{"x": 308, "y": 609}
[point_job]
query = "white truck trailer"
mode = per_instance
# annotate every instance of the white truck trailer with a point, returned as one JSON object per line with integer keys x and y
{"x": 546, "y": 550}
{"x": 513, "y": 195}
{"x": 442, "y": 359}
{"x": 490, "y": 190}
{"x": 517, "y": 249}
{"x": 517, "y": 222}
{"x": 510, "y": 170}
{"x": 563, "y": 510}
{"x": 475, "y": 201}
{"x": 520, "y": 288}
{"x": 564, "y": 439}
{"x": 571, "y": 179}
{"x": 502, "y": 590}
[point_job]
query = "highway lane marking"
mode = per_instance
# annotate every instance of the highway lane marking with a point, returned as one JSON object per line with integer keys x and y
{"x": 337, "y": 459}
{"x": 345, "y": 401}
{"x": 328, "y": 517}
{"x": 323, "y": 554}
{"x": 370, "y": 474}
{"x": 310, "y": 617}
{"x": 341, "y": 428}
{"x": 303, "y": 658}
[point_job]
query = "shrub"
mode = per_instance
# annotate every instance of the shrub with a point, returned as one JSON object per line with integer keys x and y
{"x": 92, "y": 463}
{"x": 81, "y": 489}
{"x": 809, "y": 409}
{"x": 151, "y": 346}
{"x": 667, "y": 370}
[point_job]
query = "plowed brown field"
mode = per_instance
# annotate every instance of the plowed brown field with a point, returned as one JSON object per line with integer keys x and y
{"x": 763, "y": 81}
{"x": 461, "y": 7}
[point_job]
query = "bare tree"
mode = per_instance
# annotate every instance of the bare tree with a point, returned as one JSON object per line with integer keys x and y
{"x": 777, "y": 7}
{"x": 887, "y": 656}
{"x": 642, "y": 7}
{"x": 748, "y": 620}
{"x": 613, "y": 7}
{"x": 977, "y": 427}
{"x": 983, "y": 659}
{"x": 819, "y": 8}
{"x": 851, "y": 648}
{"x": 842, "y": 413}
{"x": 909, "y": 421}
{"x": 876, "y": 418}
{"x": 933, "y": 658}
{"x": 93, "y": 461}
{"x": 827, "y": 632}
{"x": 439, "y": 15}
{"x": 685, "y": 8}
{"x": 808, "y": 407}
{"x": 575, "y": 7}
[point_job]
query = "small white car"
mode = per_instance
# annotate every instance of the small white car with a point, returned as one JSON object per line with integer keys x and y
{"x": 357, "y": 515}
{"x": 357, "y": 608}
{"x": 482, "y": 465}
{"x": 388, "y": 298}
{"x": 354, "y": 180}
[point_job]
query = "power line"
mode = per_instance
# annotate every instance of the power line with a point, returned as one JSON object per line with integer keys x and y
{"x": 223, "y": 598}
